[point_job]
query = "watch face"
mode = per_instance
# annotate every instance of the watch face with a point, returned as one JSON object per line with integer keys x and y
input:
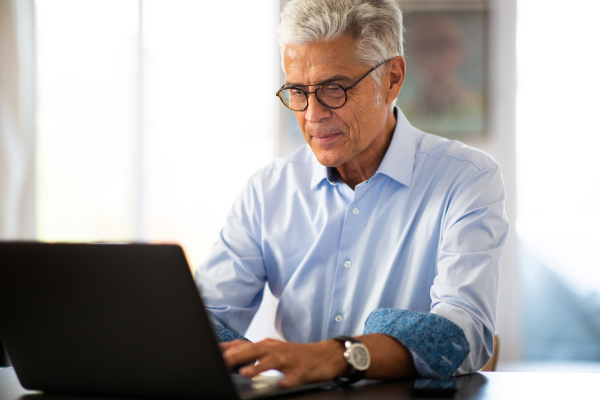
{"x": 360, "y": 357}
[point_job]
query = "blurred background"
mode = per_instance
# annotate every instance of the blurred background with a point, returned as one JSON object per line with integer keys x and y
{"x": 141, "y": 120}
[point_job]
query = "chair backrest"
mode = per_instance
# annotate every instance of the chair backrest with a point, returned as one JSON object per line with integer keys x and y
{"x": 491, "y": 365}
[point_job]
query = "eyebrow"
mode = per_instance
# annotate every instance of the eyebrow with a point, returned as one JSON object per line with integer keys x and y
{"x": 334, "y": 78}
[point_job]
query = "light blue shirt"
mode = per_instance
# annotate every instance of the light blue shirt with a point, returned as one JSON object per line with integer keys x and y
{"x": 424, "y": 234}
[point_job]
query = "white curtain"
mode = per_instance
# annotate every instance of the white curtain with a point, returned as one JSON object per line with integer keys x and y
{"x": 17, "y": 119}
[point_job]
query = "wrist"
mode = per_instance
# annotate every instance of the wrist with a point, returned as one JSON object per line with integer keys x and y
{"x": 335, "y": 354}
{"x": 357, "y": 358}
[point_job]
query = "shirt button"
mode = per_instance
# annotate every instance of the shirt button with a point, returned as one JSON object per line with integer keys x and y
{"x": 339, "y": 318}
{"x": 355, "y": 211}
{"x": 347, "y": 264}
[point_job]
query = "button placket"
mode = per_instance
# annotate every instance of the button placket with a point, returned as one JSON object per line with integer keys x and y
{"x": 350, "y": 227}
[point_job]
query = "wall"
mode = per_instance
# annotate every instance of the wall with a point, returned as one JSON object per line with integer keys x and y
{"x": 500, "y": 143}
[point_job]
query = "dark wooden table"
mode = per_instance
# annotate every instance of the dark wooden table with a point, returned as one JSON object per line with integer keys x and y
{"x": 486, "y": 385}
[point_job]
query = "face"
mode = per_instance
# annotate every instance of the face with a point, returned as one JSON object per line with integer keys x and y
{"x": 335, "y": 136}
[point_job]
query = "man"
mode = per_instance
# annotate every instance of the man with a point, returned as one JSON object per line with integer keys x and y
{"x": 381, "y": 242}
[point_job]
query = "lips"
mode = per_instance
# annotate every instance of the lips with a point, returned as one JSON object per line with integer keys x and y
{"x": 325, "y": 138}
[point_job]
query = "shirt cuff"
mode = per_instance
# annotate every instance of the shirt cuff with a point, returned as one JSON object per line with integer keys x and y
{"x": 422, "y": 368}
{"x": 226, "y": 335}
{"x": 439, "y": 344}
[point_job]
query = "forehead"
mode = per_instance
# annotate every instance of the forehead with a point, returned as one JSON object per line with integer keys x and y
{"x": 315, "y": 62}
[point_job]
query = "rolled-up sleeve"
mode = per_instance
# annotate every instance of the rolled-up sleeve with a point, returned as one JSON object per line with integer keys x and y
{"x": 226, "y": 335}
{"x": 438, "y": 346}
{"x": 232, "y": 278}
{"x": 465, "y": 288}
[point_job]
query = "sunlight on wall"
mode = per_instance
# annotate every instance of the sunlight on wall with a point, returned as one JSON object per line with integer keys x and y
{"x": 87, "y": 66}
{"x": 209, "y": 119}
{"x": 204, "y": 131}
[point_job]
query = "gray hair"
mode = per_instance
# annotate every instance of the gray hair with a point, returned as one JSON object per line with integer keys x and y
{"x": 375, "y": 24}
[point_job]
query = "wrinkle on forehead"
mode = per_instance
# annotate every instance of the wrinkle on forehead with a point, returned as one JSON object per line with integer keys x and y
{"x": 316, "y": 62}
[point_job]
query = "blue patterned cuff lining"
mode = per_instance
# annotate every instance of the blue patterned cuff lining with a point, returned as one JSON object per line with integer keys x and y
{"x": 226, "y": 335}
{"x": 440, "y": 343}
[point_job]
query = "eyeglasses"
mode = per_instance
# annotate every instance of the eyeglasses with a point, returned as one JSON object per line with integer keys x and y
{"x": 331, "y": 95}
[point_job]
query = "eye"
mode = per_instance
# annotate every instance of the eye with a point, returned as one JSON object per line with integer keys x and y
{"x": 332, "y": 91}
{"x": 296, "y": 92}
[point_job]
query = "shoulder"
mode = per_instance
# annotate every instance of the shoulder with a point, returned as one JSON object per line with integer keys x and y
{"x": 458, "y": 169}
{"x": 452, "y": 153}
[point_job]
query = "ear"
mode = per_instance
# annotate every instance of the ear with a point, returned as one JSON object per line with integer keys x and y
{"x": 397, "y": 71}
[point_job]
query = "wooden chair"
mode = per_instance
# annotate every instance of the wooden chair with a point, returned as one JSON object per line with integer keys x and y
{"x": 491, "y": 365}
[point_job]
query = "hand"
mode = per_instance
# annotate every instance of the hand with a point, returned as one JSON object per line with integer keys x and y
{"x": 300, "y": 363}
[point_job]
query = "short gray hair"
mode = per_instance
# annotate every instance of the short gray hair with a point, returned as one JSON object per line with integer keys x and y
{"x": 375, "y": 24}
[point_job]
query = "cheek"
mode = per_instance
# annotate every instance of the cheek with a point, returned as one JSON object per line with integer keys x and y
{"x": 359, "y": 121}
{"x": 370, "y": 125}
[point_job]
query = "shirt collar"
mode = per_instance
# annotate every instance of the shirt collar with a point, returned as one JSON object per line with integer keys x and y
{"x": 320, "y": 173}
{"x": 398, "y": 162}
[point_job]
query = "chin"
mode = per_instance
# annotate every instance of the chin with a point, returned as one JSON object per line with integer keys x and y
{"x": 329, "y": 158}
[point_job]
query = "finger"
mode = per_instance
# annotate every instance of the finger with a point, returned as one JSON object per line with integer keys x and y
{"x": 243, "y": 353}
{"x": 291, "y": 379}
{"x": 264, "y": 364}
{"x": 231, "y": 354}
{"x": 226, "y": 345}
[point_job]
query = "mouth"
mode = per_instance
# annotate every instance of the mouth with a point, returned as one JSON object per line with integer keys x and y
{"x": 326, "y": 138}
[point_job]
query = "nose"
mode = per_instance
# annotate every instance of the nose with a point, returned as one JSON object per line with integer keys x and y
{"x": 315, "y": 112}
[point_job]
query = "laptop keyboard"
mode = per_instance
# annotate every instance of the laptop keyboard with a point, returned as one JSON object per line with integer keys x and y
{"x": 258, "y": 383}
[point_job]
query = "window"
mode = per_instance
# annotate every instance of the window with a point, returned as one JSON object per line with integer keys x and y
{"x": 146, "y": 131}
{"x": 558, "y": 137}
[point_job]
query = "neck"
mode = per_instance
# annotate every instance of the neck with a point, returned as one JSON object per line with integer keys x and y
{"x": 366, "y": 163}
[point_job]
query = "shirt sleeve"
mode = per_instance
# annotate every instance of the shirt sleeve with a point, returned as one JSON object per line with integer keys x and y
{"x": 456, "y": 336}
{"x": 232, "y": 278}
{"x": 465, "y": 288}
{"x": 226, "y": 335}
{"x": 423, "y": 369}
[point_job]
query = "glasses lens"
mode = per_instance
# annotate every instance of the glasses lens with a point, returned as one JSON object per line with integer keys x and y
{"x": 294, "y": 99}
{"x": 332, "y": 95}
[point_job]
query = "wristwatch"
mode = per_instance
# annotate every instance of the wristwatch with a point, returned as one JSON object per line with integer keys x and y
{"x": 358, "y": 359}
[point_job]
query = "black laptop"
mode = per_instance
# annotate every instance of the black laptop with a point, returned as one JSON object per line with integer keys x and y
{"x": 122, "y": 320}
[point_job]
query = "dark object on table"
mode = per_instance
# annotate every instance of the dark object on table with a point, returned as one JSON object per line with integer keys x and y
{"x": 434, "y": 388}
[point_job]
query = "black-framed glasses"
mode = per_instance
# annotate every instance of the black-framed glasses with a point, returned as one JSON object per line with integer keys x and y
{"x": 331, "y": 95}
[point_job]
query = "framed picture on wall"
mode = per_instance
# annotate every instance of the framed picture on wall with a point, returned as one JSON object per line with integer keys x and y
{"x": 446, "y": 87}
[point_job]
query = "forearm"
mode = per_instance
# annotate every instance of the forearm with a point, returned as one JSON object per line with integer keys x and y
{"x": 390, "y": 359}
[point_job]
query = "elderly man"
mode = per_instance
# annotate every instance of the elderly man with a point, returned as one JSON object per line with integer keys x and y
{"x": 381, "y": 242}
